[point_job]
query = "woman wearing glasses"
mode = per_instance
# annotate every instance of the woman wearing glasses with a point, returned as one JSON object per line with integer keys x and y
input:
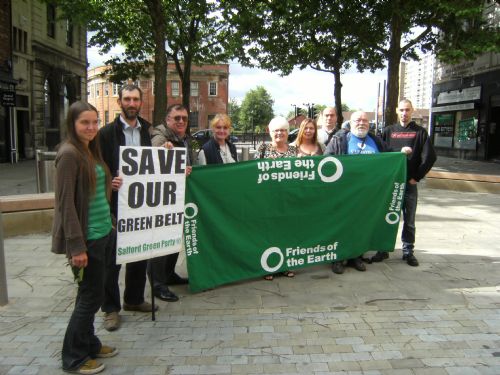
{"x": 278, "y": 148}
{"x": 307, "y": 140}
{"x": 219, "y": 150}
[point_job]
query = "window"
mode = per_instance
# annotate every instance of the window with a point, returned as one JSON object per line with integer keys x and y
{"x": 195, "y": 90}
{"x": 97, "y": 90}
{"x": 106, "y": 89}
{"x": 193, "y": 120}
{"x": 51, "y": 20}
{"x": 91, "y": 91}
{"x": 106, "y": 117}
{"x": 66, "y": 100}
{"x": 69, "y": 33}
{"x": 116, "y": 88}
{"x": 19, "y": 40}
{"x": 212, "y": 88}
{"x": 175, "y": 88}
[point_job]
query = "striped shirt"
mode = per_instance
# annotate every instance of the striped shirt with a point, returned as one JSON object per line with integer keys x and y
{"x": 99, "y": 221}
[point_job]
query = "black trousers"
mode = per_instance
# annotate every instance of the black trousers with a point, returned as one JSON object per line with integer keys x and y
{"x": 80, "y": 342}
{"x": 161, "y": 270}
{"x": 135, "y": 283}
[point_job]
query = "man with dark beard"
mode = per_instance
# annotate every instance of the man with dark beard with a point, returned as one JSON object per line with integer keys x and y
{"x": 357, "y": 141}
{"x": 128, "y": 129}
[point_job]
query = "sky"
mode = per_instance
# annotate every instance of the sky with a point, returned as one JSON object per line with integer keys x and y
{"x": 359, "y": 90}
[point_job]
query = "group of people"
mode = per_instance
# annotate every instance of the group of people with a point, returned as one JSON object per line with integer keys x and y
{"x": 86, "y": 201}
{"x": 405, "y": 136}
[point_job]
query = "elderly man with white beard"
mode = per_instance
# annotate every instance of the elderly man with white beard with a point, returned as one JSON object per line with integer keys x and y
{"x": 354, "y": 142}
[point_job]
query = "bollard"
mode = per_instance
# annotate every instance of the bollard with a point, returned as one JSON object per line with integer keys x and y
{"x": 245, "y": 153}
{"x": 4, "y": 298}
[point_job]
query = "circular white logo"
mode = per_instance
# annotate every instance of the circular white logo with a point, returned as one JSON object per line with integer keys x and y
{"x": 266, "y": 254}
{"x": 192, "y": 206}
{"x": 392, "y": 217}
{"x": 336, "y": 175}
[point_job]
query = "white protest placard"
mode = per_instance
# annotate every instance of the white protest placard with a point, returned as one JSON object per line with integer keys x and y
{"x": 150, "y": 202}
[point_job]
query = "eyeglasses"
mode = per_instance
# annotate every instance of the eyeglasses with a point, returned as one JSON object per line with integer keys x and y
{"x": 179, "y": 118}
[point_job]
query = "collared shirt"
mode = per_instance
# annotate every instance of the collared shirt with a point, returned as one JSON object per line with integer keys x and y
{"x": 132, "y": 134}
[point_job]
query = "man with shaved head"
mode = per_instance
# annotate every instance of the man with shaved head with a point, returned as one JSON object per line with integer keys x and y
{"x": 413, "y": 140}
{"x": 329, "y": 125}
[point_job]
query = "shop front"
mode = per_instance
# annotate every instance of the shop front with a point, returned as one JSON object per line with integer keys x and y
{"x": 466, "y": 117}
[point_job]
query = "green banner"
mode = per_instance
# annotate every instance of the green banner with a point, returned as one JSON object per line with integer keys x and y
{"x": 257, "y": 217}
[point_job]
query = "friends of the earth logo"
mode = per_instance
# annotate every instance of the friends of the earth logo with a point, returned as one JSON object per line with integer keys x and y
{"x": 190, "y": 233}
{"x": 273, "y": 258}
{"x": 393, "y": 214}
{"x": 299, "y": 169}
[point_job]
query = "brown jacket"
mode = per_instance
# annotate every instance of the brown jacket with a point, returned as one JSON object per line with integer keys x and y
{"x": 69, "y": 231}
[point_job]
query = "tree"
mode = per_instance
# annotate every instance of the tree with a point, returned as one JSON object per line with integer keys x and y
{"x": 234, "y": 112}
{"x": 452, "y": 29}
{"x": 256, "y": 109}
{"x": 187, "y": 32}
{"x": 282, "y": 34}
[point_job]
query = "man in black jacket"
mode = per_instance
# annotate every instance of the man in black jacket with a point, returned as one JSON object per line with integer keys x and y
{"x": 161, "y": 270}
{"x": 357, "y": 141}
{"x": 128, "y": 129}
{"x": 413, "y": 140}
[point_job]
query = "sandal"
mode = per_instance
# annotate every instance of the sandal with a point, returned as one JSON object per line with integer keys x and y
{"x": 269, "y": 277}
{"x": 288, "y": 273}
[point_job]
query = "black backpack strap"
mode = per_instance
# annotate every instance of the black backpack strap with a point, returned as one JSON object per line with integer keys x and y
{"x": 330, "y": 136}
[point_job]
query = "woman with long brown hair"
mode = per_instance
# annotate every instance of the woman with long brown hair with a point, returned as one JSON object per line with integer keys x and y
{"x": 307, "y": 140}
{"x": 82, "y": 230}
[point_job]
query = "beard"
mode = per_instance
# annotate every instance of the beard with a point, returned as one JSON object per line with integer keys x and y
{"x": 360, "y": 133}
{"x": 131, "y": 113}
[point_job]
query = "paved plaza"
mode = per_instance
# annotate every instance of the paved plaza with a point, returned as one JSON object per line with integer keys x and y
{"x": 442, "y": 318}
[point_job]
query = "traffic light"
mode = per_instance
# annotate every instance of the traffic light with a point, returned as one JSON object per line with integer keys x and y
{"x": 314, "y": 112}
{"x": 298, "y": 111}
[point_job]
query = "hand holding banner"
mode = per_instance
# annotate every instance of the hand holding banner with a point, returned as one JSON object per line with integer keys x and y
{"x": 150, "y": 202}
{"x": 258, "y": 217}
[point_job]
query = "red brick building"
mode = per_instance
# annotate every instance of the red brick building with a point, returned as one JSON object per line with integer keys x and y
{"x": 209, "y": 93}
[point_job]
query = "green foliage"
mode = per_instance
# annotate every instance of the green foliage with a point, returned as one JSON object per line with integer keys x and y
{"x": 454, "y": 30}
{"x": 187, "y": 32}
{"x": 279, "y": 35}
{"x": 256, "y": 109}
{"x": 234, "y": 112}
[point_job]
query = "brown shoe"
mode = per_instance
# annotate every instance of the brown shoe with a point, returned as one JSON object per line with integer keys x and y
{"x": 112, "y": 321}
{"x": 143, "y": 307}
{"x": 90, "y": 367}
{"x": 107, "y": 352}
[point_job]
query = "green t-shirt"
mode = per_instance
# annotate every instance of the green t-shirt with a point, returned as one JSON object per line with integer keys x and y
{"x": 99, "y": 221}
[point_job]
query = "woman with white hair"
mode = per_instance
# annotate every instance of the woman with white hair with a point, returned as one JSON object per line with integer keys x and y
{"x": 279, "y": 147}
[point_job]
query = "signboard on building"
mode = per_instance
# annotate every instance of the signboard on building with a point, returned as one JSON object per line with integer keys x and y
{"x": 8, "y": 98}
{"x": 463, "y": 95}
{"x": 443, "y": 130}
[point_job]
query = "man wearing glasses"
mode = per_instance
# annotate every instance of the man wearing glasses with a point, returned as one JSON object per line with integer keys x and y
{"x": 128, "y": 129}
{"x": 161, "y": 270}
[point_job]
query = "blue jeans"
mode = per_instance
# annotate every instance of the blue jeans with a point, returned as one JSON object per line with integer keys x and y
{"x": 80, "y": 342}
{"x": 409, "y": 212}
